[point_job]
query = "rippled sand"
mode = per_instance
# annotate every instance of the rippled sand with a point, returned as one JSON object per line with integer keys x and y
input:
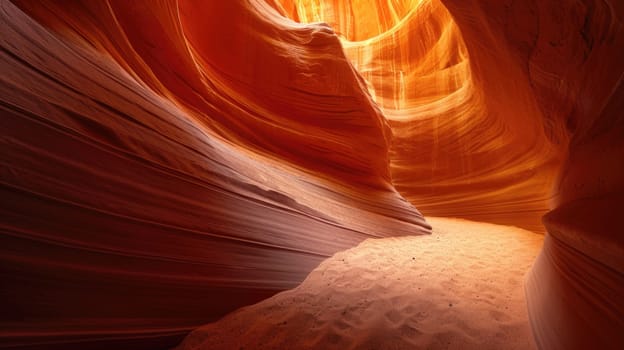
{"x": 459, "y": 288}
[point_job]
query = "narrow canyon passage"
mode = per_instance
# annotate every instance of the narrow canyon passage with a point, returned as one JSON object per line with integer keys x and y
{"x": 459, "y": 288}
{"x": 164, "y": 164}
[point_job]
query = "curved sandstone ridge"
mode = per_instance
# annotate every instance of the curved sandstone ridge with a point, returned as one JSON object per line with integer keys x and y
{"x": 164, "y": 163}
{"x": 464, "y": 143}
{"x": 485, "y": 107}
{"x": 132, "y": 215}
{"x": 269, "y": 88}
{"x": 571, "y": 54}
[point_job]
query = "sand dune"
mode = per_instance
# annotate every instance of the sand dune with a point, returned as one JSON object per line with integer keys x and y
{"x": 459, "y": 288}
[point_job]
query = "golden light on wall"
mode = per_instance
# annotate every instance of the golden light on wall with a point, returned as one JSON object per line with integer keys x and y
{"x": 165, "y": 163}
{"x": 451, "y": 147}
{"x": 410, "y": 52}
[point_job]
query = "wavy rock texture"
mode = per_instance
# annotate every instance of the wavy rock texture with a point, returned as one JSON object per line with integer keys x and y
{"x": 465, "y": 143}
{"x": 572, "y": 56}
{"x": 165, "y": 162}
{"x": 132, "y": 209}
{"x": 485, "y": 107}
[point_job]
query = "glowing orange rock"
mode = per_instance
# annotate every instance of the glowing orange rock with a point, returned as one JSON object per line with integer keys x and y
{"x": 457, "y": 150}
{"x": 570, "y": 57}
{"x": 151, "y": 184}
{"x": 165, "y": 163}
{"x": 499, "y": 99}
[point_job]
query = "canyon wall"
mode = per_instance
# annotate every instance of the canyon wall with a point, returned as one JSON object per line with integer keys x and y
{"x": 464, "y": 143}
{"x": 499, "y": 112}
{"x": 570, "y": 56}
{"x": 151, "y": 185}
{"x": 166, "y": 162}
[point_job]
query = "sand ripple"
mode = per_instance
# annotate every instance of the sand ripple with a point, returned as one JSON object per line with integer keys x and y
{"x": 460, "y": 288}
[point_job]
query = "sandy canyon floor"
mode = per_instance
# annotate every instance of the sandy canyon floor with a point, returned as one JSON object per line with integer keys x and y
{"x": 459, "y": 288}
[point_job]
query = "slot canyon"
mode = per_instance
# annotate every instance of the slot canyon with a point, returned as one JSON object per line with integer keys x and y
{"x": 312, "y": 174}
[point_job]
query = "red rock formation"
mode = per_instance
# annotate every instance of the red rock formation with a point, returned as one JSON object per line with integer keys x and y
{"x": 149, "y": 187}
{"x": 571, "y": 54}
{"x": 164, "y": 163}
{"x": 464, "y": 143}
{"x": 481, "y": 131}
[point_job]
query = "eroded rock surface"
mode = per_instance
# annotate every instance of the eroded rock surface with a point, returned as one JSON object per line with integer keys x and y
{"x": 164, "y": 163}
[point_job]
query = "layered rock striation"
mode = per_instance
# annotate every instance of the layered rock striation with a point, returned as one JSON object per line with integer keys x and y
{"x": 164, "y": 163}
{"x": 151, "y": 184}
